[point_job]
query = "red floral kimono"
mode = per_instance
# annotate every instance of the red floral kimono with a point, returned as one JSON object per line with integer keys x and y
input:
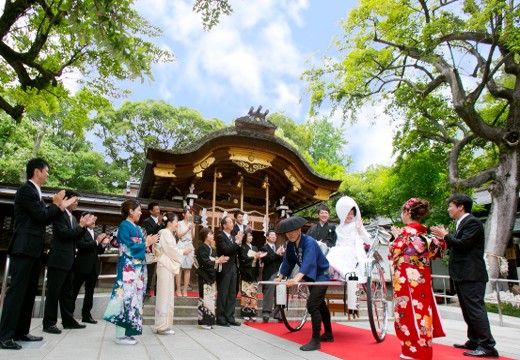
{"x": 417, "y": 319}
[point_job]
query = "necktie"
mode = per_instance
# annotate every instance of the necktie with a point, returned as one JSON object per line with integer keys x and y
{"x": 273, "y": 247}
{"x": 71, "y": 219}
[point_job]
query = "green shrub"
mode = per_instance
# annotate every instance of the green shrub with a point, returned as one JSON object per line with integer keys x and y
{"x": 507, "y": 309}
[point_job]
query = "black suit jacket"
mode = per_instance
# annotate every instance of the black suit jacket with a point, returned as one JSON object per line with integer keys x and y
{"x": 229, "y": 248}
{"x": 248, "y": 272}
{"x": 325, "y": 233}
{"x": 466, "y": 256}
{"x": 63, "y": 249}
{"x": 151, "y": 227}
{"x": 31, "y": 216}
{"x": 87, "y": 260}
{"x": 272, "y": 262}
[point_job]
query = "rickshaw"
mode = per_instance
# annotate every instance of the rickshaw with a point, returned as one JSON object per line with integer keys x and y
{"x": 292, "y": 301}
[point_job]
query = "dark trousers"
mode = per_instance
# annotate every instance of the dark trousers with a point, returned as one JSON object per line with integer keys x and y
{"x": 226, "y": 296}
{"x": 60, "y": 290}
{"x": 319, "y": 311}
{"x": 19, "y": 297}
{"x": 471, "y": 300}
{"x": 152, "y": 276}
{"x": 89, "y": 280}
{"x": 268, "y": 292}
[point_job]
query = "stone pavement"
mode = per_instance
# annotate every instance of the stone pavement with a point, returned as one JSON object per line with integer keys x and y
{"x": 243, "y": 342}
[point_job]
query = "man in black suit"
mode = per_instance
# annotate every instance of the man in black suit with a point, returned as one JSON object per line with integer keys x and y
{"x": 60, "y": 268}
{"x": 468, "y": 273}
{"x": 323, "y": 231}
{"x": 152, "y": 225}
{"x": 272, "y": 262}
{"x": 31, "y": 216}
{"x": 227, "y": 245}
{"x": 86, "y": 267}
{"x": 239, "y": 223}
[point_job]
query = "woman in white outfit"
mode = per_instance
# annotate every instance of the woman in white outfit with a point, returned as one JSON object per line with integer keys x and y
{"x": 169, "y": 259}
{"x": 185, "y": 234}
{"x": 349, "y": 256}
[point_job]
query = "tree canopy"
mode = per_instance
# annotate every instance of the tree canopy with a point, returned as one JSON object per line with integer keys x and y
{"x": 450, "y": 69}
{"x": 47, "y": 47}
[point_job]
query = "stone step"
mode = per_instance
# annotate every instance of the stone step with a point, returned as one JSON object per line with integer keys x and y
{"x": 186, "y": 311}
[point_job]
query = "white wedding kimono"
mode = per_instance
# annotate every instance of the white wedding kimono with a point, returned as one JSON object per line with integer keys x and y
{"x": 169, "y": 260}
{"x": 349, "y": 256}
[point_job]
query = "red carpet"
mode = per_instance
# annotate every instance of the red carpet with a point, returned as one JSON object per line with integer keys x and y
{"x": 354, "y": 343}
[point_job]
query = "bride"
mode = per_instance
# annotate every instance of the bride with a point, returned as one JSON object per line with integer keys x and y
{"x": 349, "y": 256}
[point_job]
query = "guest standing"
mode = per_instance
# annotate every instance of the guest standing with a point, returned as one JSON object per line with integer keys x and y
{"x": 152, "y": 225}
{"x": 272, "y": 261}
{"x": 125, "y": 307}
{"x": 417, "y": 319}
{"x": 86, "y": 267}
{"x": 227, "y": 245}
{"x": 169, "y": 259}
{"x": 249, "y": 264}
{"x": 207, "y": 259}
{"x": 468, "y": 273}
{"x": 31, "y": 216}
{"x": 185, "y": 234}
{"x": 304, "y": 251}
{"x": 60, "y": 268}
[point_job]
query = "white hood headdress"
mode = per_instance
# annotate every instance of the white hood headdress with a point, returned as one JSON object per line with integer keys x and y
{"x": 343, "y": 207}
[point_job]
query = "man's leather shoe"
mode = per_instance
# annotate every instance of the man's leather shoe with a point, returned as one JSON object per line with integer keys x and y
{"x": 10, "y": 345}
{"x": 327, "y": 337}
{"x": 482, "y": 353}
{"x": 75, "y": 325}
{"x": 29, "y": 337}
{"x": 222, "y": 324}
{"x": 467, "y": 346}
{"x": 89, "y": 320}
{"x": 236, "y": 323}
{"x": 52, "y": 330}
{"x": 265, "y": 318}
{"x": 311, "y": 345}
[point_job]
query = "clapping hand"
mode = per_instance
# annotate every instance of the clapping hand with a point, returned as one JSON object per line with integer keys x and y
{"x": 151, "y": 239}
{"x": 222, "y": 259}
{"x": 396, "y": 231}
{"x": 439, "y": 231}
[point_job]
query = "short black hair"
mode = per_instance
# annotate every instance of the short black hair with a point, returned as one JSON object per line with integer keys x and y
{"x": 85, "y": 213}
{"x": 324, "y": 208}
{"x": 238, "y": 212}
{"x": 461, "y": 199}
{"x": 70, "y": 193}
{"x": 152, "y": 205}
{"x": 33, "y": 164}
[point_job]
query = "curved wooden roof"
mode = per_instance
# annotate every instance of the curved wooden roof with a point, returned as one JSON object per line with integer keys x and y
{"x": 248, "y": 150}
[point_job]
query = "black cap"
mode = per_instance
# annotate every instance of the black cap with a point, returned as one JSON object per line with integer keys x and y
{"x": 290, "y": 224}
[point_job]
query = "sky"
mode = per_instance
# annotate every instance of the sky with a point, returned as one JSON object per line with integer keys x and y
{"x": 254, "y": 57}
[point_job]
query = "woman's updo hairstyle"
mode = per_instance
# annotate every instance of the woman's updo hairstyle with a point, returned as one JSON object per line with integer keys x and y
{"x": 203, "y": 233}
{"x": 127, "y": 205}
{"x": 169, "y": 217}
{"x": 417, "y": 208}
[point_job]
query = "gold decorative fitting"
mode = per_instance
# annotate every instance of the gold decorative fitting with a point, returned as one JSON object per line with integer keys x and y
{"x": 292, "y": 178}
{"x": 250, "y": 160}
{"x": 321, "y": 194}
{"x": 164, "y": 170}
{"x": 200, "y": 166}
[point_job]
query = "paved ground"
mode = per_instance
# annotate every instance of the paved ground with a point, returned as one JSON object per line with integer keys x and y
{"x": 189, "y": 342}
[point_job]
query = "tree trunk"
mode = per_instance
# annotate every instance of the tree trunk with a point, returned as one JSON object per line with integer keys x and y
{"x": 501, "y": 219}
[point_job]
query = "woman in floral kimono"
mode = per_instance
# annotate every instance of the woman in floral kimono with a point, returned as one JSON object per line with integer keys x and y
{"x": 249, "y": 264}
{"x": 416, "y": 315}
{"x": 169, "y": 259}
{"x": 207, "y": 260}
{"x": 125, "y": 307}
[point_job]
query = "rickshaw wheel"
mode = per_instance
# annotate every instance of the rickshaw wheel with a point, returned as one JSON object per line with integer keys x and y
{"x": 377, "y": 302}
{"x": 294, "y": 314}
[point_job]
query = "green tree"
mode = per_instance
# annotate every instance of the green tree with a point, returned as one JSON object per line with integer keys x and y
{"x": 126, "y": 133}
{"x": 44, "y": 43}
{"x": 465, "y": 53}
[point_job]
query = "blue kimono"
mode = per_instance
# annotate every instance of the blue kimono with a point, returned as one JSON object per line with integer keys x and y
{"x": 309, "y": 258}
{"x": 125, "y": 307}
